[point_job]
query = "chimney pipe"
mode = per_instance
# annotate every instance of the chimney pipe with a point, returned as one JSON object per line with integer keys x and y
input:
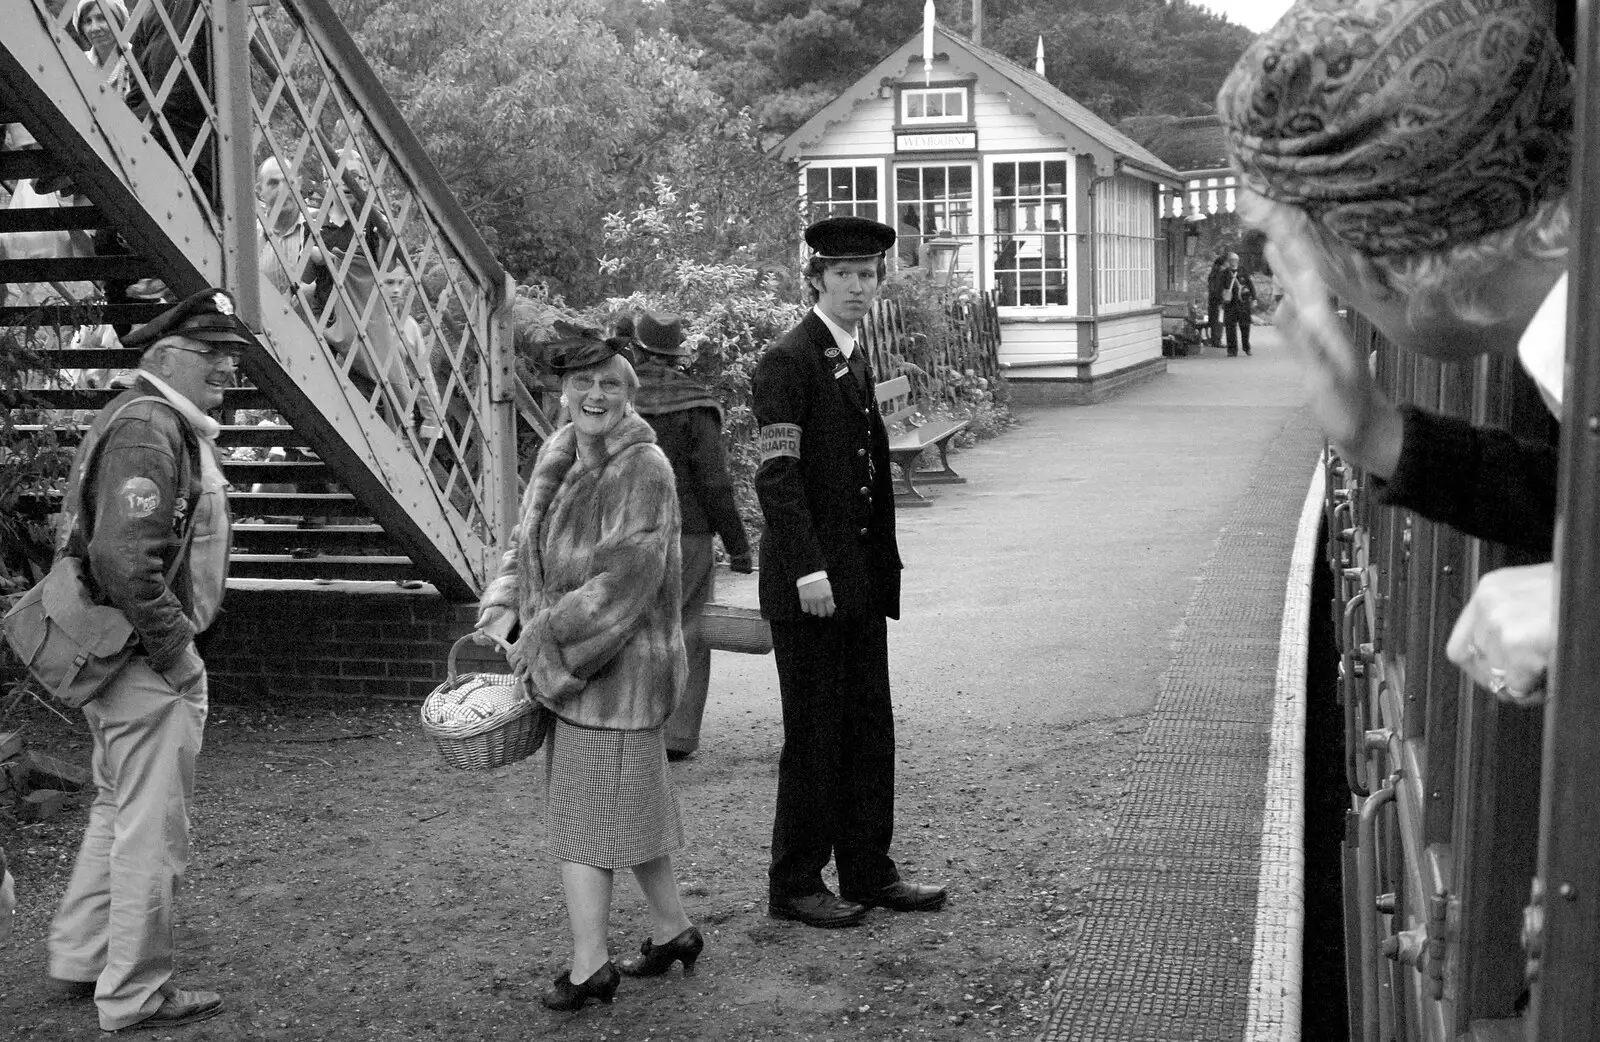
{"x": 977, "y": 22}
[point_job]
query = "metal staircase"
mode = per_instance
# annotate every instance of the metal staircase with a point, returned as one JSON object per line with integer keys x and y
{"x": 395, "y": 412}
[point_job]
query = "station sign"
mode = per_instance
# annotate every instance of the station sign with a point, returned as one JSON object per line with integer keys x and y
{"x": 948, "y": 141}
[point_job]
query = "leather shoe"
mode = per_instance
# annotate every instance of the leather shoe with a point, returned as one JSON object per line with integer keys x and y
{"x": 180, "y": 1007}
{"x": 901, "y": 896}
{"x": 60, "y": 990}
{"x": 822, "y": 910}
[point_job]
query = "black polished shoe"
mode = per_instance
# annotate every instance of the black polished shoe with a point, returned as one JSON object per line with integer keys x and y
{"x": 565, "y": 995}
{"x": 901, "y": 896}
{"x": 656, "y": 959}
{"x": 821, "y": 909}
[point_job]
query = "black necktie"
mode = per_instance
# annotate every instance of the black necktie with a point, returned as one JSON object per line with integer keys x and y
{"x": 858, "y": 367}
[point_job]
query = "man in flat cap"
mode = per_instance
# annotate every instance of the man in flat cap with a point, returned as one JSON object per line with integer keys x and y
{"x": 830, "y": 580}
{"x": 146, "y": 509}
{"x": 687, "y": 418}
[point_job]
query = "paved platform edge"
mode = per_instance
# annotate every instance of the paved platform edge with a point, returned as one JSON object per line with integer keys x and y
{"x": 1168, "y": 947}
{"x": 1275, "y": 965}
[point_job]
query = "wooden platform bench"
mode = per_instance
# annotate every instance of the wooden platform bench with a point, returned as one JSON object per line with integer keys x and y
{"x": 907, "y": 447}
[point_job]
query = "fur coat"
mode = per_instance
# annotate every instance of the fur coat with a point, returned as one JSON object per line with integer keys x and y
{"x": 593, "y": 574}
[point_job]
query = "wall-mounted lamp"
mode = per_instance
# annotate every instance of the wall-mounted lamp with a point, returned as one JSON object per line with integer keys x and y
{"x": 939, "y": 258}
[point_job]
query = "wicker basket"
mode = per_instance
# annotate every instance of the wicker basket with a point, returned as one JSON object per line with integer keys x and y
{"x": 727, "y": 628}
{"x": 481, "y": 721}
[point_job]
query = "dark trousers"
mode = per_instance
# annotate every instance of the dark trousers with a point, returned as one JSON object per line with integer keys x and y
{"x": 1237, "y": 318}
{"x": 836, "y": 773}
{"x": 1214, "y": 322}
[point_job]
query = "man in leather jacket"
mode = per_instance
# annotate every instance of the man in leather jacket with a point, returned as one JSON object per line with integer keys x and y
{"x": 146, "y": 500}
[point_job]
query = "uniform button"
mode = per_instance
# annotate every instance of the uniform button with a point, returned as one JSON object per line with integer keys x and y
{"x": 865, "y": 491}
{"x": 863, "y": 533}
{"x": 861, "y": 452}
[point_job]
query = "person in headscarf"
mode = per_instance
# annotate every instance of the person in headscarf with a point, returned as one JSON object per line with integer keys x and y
{"x": 687, "y": 419}
{"x": 1413, "y": 156}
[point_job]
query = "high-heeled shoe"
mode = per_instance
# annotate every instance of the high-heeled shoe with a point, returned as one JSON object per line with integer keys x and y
{"x": 656, "y": 959}
{"x": 565, "y": 995}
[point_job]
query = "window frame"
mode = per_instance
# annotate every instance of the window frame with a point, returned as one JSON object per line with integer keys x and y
{"x": 902, "y": 103}
{"x": 971, "y": 238}
{"x": 878, "y": 165}
{"x": 1072, "y": 255}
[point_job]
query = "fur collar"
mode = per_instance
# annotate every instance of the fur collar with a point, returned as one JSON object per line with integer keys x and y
{"x": 559, "y": 455}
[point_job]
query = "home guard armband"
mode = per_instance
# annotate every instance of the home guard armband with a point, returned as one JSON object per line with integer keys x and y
{"x": 780, "y": 439}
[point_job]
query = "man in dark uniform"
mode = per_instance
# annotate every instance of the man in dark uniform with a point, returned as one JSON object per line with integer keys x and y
{"x": 830, "y": 578}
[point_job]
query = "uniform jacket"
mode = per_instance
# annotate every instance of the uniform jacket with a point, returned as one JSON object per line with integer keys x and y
{"x": 832, "y": 508}
{"x": 688, "y": 425}
{"x": 593, "y": 573}
{"x": 156, "y": 52}
{"x": 145, "y": 484}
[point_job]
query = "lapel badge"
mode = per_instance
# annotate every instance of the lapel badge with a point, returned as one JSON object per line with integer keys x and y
{"x": 840, "y": 371}
{"x": 832, "y": 352}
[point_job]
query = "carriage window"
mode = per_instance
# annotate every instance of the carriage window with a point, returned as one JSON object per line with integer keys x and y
{"x": 841, "y": 191}
{"x": 1032, "y": 254}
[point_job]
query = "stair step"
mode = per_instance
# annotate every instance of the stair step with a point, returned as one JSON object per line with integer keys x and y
{"x": 74, "y": 269}
{"x": 258, "y": 538}
{"x": 27, "y": 163}
{"x": 260, "y": 436}
{"x": 71, "y": 315}
{"x": 352, "y": 567}
{"x": 293, "y": 471}
{"x": 294, "y": 504}
{"x": 96, "y": 398}
{"x": 89, "y": 358}
{"x": 53, "y": 219}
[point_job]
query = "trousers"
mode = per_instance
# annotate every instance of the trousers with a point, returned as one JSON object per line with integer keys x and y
{"x": 699, "y": 587}
{"x": 114, "y": 925}
{"x": 836, "y": 771}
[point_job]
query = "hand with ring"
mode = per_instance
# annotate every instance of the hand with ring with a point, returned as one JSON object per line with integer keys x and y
{"x": 1505, "y": 637}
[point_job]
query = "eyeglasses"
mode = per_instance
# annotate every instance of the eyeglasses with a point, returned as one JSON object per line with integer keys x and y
{"x": 584, "y": 383}
{"x": 215, "y": 355}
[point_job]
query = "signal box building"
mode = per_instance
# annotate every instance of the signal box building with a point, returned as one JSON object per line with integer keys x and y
{"x": 1047, "y": 205}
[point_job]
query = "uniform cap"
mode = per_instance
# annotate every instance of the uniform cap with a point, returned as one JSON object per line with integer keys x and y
{"x": 849, "y": 238}
{"x": 207, "y": 316}
{"x": 661, "y": 334}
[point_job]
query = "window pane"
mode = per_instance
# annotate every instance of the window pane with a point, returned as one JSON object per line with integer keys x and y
{"x": 908, "y": 183}
{"x": 1005, "y": 179}
{"x": 843, "y": 183}
{"x": 866, "y": 182}
{"x": 1005, "y": 216}
{"x": 816, "y": 185}
{"x": 914, "y": 106}
{"x": 961, "y": 182}
{"x": 933, "y": 181}
{"x": 1028, "y": 178}
{"x": 935, "y": 106}
{"x": 956, "y": 103}
{"x": 1055, "y": 178}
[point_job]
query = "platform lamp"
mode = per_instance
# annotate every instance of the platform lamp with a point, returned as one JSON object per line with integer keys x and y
{"x": 939, "y": 257}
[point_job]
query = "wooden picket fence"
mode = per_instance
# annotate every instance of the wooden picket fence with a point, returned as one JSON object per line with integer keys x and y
{"x": 970, "y": 341}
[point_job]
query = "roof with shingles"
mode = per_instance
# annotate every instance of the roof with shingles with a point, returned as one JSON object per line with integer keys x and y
{"x": 1189, "y": 142}
{"x": 997, "y": 73}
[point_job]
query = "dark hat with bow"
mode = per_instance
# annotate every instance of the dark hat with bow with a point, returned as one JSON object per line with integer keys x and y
{"x": 207, "y": 316}
{"x": 585, "y": 351}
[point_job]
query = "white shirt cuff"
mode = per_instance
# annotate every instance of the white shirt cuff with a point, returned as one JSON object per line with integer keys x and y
{"x": 813, "y": 577}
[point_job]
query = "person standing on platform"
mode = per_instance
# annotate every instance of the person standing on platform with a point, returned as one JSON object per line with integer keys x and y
{"x": 687, "y": 418}
{"x": 830, "y": 580}
{"x": 1238, "y": 296}
{"x": 146, "y": 508}
{"x": 1215, "y": 280}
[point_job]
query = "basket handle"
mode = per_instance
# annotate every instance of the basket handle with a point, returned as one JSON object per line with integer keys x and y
{"x": 450, "y": 663}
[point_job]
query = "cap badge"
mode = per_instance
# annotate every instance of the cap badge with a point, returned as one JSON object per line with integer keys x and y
{"x": 832, "y": 352}
{"x": 223, "y": 303}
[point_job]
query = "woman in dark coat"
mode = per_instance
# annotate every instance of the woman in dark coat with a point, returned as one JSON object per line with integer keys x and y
{"x": 591, "y": 579}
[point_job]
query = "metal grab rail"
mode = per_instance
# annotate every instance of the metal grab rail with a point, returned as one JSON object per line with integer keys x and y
{"x": 1352, "y": 676}
{"x": 1372, "y": 956}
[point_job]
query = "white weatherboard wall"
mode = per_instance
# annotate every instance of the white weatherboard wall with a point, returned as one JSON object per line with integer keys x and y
{"x": 1127, "y": 340}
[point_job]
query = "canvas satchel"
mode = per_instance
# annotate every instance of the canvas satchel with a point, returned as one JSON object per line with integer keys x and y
{"x": 74, "y": 647}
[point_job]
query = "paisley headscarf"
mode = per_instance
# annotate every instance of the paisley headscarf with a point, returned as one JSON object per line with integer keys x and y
{"x": 1403, "y": 126}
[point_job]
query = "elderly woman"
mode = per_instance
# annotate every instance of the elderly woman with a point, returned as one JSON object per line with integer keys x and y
{"x": 591, "y": 578}
{"x": 1417, "y": 164}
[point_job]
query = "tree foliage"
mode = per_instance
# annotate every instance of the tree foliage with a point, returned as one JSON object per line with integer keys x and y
{"x": 786, "y": 58}
{"x": 544, "y": 117}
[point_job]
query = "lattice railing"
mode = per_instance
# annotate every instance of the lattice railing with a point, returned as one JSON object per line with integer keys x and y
{"x": 330, "y": 216}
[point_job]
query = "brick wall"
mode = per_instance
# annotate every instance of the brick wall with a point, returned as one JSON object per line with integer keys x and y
{"x": 368, "y": 640}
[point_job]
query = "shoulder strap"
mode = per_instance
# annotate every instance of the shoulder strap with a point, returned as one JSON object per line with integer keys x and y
{"x": 94, "y": 450}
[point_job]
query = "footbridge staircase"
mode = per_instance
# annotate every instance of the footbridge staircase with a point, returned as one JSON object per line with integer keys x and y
{"x": 374, "y": 431}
